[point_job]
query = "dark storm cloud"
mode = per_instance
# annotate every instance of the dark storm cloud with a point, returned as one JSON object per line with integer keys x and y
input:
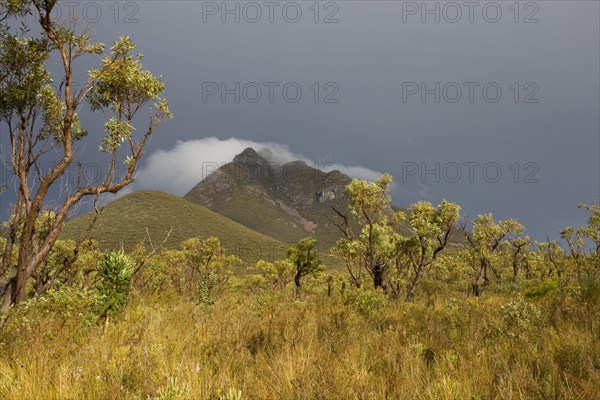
{"x": 443, "y": 106}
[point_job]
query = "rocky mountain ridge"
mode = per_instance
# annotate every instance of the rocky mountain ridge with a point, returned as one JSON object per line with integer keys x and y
{"x": 283, "y": 200}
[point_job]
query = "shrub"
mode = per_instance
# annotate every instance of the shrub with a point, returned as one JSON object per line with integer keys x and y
{"x": 174, "y": 390}
{"x": 520, "y": 317}
{"x": 367, "y": 302}
{"x": 541, "y": 290}
{"x": 65, "y": 309}
{"x": 116, "y": 272}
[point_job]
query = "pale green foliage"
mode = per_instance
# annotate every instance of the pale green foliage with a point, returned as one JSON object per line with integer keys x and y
{"x": 277, "y": 274}
{"x": 520, "y": 317}
{"x": 122, "y": 87}
{"x": 22, "y": 66}
{"x": 586, "y": 262}
{"x": 592, "y": 230}
{"x": 55, "y": 270}
{"x": 373, "y": 249}
{"x": 304, "y": 258}
{"x": 174, "y": 390}
{"x": 487, "y": 234}
{"x": 43, "y": 223}
{"x": 431, "y": 227}
{"x": 27, "y": 84}
{"x": 554, "y": 257}
{"x": 116, "y": 272}
{"x": 367, "y": 301}
{"x": 486, "y": 239}
{"x": 167, "y": 270}
{"x": 39, "y": 105}
{"x": 208, "y": 265}
{"x": 368, "y": 201}
{"x": 380, "y": 248}
{"x": 57, "y": 310}
{"x": 430, "y": 224}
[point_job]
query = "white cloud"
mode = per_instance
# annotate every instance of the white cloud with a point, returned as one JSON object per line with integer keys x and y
{"x": 179, "y": 169}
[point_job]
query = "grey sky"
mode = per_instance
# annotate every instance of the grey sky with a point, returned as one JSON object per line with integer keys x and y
{"x": 367, "y": 55}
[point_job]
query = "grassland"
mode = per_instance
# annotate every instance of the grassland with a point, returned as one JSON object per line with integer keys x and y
{"x": 259, "y": 344}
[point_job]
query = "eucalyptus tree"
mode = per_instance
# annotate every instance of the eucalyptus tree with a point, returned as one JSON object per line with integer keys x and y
{"x": 431, "y": 228}
{"x": 305, "y": 260}
{"x": 208, "y": 266}
{"x": 555, "y": 257}
{"x": 584, "y": 243}
{"x": 521, "y": 252}
{"x": 485, "y": 239}
{"x": 278, "y": 273}
{"x": 40, "y": 113}
{"x": 381, "y": 248}
{"x": 373, "y": 248}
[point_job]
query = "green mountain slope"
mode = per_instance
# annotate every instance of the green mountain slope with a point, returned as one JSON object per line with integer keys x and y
{"x": 123, "y": 223}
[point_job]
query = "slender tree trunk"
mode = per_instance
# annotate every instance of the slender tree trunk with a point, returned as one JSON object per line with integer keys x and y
{"x": 412, "y": 286}
{"x": 298, "y": 285}
{"x": 7, "y": 299}
{"x": 377, "y": 276}
{"x": 481, "y": 281}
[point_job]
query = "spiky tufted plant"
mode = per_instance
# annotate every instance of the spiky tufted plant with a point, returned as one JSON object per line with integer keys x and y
{"x": 116, "y": 273}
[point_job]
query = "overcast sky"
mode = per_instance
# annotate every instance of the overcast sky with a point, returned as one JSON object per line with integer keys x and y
{"x": 517, "y": 94}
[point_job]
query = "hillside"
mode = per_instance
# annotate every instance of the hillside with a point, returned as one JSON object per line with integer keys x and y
{"x": 288, "y": 201}
{"x": 123, "y": 223}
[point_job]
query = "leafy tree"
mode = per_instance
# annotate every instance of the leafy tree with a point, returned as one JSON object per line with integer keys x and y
{"x": 485, "y": 239}
{"x": 380, "y": 246}
{"x": 554, "y": 257}
{"x": 431, "y": 229}
{"x": 56, "y": 270}
{"x": 305, "y": 259}
{"x": 521, "y": 254}
{"x": 43, "y": 125}
{"x": 373, "y": 248}
{"x": 168, "y": 271}
{"x": 278, "y": 273}
{"x": 208, "y": 266}
{"x": 584, "y": 243}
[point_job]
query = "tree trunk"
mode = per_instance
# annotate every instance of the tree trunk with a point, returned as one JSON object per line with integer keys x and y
{"x": 7, "y": 298}
{"x": 377, "y": 276}
{"x": 412, "y": 286}
{"x": 298, "y": 285}
{"x": 481, "y": 281}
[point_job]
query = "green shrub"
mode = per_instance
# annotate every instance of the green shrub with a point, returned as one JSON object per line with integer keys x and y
{"x": 541, "y": 290}
{"x": 65, "y": 309}
{"x": 520, "y": 317}
{"x": 174, "y": 390}
{"x": 367, "y": 302}
{"x": 116, "y": 272}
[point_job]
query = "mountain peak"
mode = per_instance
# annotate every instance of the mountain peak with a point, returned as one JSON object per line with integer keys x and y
{"x": 286, "y": 200}
{"x": 249, "y": 156}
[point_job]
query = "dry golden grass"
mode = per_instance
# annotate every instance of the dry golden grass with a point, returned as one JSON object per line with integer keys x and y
{"x": 355, "y": 345}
